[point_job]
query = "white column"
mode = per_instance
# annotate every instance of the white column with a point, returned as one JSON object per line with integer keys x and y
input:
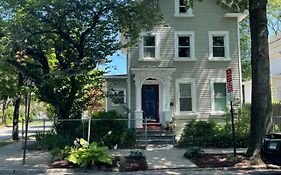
{"x": 138, "y": 112}
{"x": 167, "y": 111}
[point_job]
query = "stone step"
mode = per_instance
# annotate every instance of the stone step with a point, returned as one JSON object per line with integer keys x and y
{"x": 156, "y": 141}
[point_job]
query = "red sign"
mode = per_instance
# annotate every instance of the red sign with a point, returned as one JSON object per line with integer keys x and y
{"x": 229, "y": 80}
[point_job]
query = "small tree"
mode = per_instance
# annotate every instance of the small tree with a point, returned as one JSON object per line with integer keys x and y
{"x": 59, "y": 43}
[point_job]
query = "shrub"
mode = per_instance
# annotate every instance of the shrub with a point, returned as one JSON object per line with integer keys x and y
{"x": 211, "y": 134}
{"x": 136, "y": 153}
{"x": 110, "y": 129}
{"x": 89, "y": 154}
{"x": 193, "y": 152}
{"x": 50, "y": 140}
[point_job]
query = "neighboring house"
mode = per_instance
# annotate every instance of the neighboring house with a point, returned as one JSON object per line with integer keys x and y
{"x": 275, "y": 71}
{"x": 178, "y": 69}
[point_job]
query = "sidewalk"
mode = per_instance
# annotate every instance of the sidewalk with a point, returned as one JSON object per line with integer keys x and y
{"x": 38, "y": 161}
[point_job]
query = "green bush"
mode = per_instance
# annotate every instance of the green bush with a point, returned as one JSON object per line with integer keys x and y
{"x": 193, "y": 152}
{"x": 110, "y": 129}
{"x": 211, "y": 134}
{"x": 89, "y": 154}
{"x": 50, "y": 140}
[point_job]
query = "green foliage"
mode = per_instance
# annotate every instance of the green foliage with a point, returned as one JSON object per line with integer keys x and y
{"x": 245, "y": 45}
{"x": 136, "y": 153}
{"x": 110, "y": 129}
{"x": 211, "y": 134}
{"x": 50, "y": 140}
{"x": 193, "y": 152}
{"x": 59, "y": 44}
{"x": 89, "y": 154}
{"x": 60, "y": 154}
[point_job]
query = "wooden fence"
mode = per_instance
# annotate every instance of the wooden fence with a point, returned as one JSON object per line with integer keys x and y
{"x": 276, "y": 115}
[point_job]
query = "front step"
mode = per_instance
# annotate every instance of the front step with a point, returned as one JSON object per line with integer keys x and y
{"x": 155, "y": 137}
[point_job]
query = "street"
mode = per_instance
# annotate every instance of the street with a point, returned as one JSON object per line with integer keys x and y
{"x": 6, "y": 133}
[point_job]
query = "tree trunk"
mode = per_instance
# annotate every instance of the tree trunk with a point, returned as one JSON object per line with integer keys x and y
{"x": 15, "y": 134}
{"x": 4, "y": 111}
{"x": 261, "y": 93}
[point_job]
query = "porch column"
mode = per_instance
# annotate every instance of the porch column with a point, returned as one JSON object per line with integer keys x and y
{"x": 138, "y": 112}
{"x": 167, "y": 110}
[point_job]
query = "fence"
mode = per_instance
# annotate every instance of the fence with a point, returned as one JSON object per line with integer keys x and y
{"x": 81, "y": 128}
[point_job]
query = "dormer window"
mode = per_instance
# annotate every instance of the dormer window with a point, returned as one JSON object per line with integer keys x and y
{"x": 181, "y": 9}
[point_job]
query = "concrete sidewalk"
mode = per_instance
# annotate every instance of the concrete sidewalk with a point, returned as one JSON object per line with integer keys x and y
{"x": 38, "y": 161}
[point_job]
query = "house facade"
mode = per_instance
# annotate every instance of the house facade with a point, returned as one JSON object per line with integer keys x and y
{"x": 178, "y": 69}
{"x": 275, "y": 72}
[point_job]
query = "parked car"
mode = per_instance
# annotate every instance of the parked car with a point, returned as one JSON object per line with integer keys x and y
{"x": 271, "y": 149}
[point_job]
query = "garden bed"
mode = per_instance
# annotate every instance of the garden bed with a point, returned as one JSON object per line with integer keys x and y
{"x": 221, "y": 160}
{"x": 126, "y": 163}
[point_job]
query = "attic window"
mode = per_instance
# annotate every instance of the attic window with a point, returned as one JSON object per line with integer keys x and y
{"x": 181, "y": 9}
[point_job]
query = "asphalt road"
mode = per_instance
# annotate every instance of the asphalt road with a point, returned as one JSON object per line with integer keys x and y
{"x": 6, "y": 133}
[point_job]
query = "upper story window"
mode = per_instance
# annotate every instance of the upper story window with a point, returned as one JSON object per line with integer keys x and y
{"x": 118, "y": 97}
{"x": 149, "y": 46}
{"x": 181, "y": 9}
{"x": 149, "y": 49}
{"x": 219, "y": 45}
{"x": 184, "y": 46}
{"x": 185, "y": 96}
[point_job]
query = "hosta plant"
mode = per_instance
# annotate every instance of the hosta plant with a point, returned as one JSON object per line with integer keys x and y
{"x": 89, "y": 154}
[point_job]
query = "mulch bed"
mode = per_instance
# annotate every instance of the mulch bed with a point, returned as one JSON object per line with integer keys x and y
{"x": 122, "y": 163}
{"x": 221, "y": 160}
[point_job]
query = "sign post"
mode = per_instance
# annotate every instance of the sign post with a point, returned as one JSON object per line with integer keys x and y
{"x": 29, "y": 83}
{"x": 230, "y": 94}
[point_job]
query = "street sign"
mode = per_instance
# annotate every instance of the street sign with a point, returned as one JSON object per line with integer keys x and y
{"x": 229, "y": 86}
{"x": 229, "y": 80}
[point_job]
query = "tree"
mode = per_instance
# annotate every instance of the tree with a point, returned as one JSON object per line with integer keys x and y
{"x": 261, "y": 93}
{"x": 261, "y": 107}
{"x": 59, "y": 43}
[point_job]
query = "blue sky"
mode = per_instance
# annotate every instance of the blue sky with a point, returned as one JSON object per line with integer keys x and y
{"x": 117, "y": 65}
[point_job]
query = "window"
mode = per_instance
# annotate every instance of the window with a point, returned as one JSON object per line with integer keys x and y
{"x": 219, "y": 45}
{"x": 149, "y": 47}
{"x": 118, "y": 96}
{"x": 219, "y": 97}
{"x": 181, "y": 9}
{"x": 186, "y": 96}
{"x": 184, "y": 46}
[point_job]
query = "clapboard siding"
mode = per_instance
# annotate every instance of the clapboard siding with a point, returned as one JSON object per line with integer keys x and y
{"x": 208, "y": 16}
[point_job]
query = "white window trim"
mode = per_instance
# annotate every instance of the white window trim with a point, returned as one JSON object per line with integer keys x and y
{"x": 192, "y": 46}
{"x": 191, "y": 81}
{"x": 225, "y": 34}
{"x": 157, "y": 47}
{"x": 189, "y": 12}
{"x": 125, "y": 97}
{"x": 213, "y": 81}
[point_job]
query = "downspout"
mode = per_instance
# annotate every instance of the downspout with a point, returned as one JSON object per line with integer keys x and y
{"x": 128, "y": 89}
{"x": 239, "y": 63}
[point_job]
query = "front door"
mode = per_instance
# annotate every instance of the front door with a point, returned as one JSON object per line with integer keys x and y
{"x": 150, "y": 103}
